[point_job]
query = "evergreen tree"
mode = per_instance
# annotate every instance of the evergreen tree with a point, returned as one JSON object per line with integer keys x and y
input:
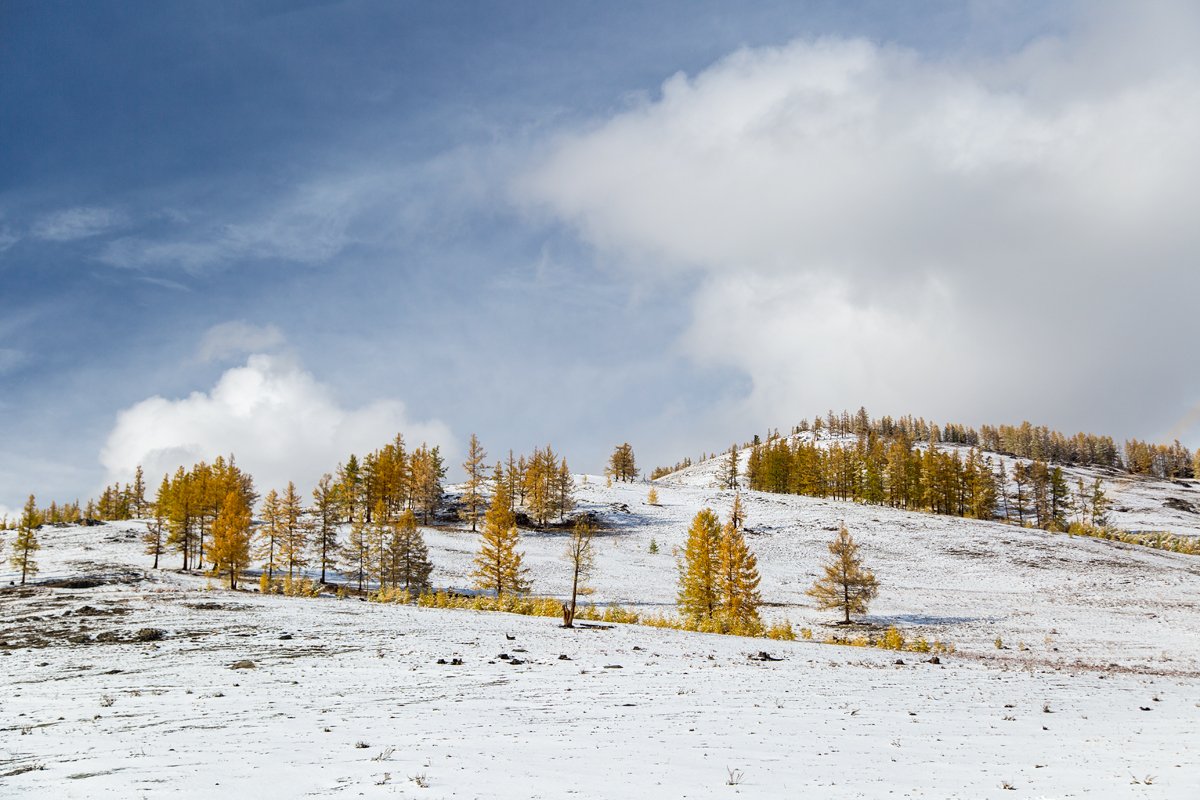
{"x": 698, "y": 596}
{"x": 326, "y": 512}
{"x": 349, "y": 484}
{"x": 412, "y": 567}
{"x": 581, "y": 558}
{"x": 738, "y": 579}
{"x": 293, "y": 540}
{"x": 231, "y": 532}
{"x": 1099, "y": 505}
{"x": 358, "y": 551}
{"x": 846, "y": 585}
{"x": 473, "y": 494}
{"x": 156, "y": 527}
{"x": 729, "y": 476}
{"x": 621, "y": 464}
{"x": 271, "y": 533}
{"x": 25, "y": 546}
{"x": 426, "y": 473}
{"x": 498, "y": 564}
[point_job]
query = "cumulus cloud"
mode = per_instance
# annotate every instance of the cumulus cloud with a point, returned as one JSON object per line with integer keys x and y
{"x": 866, "y": 222}
{"x": 279, "y": 421}
{"x": 81, "y": 222}
{"x": 237, "y": 338}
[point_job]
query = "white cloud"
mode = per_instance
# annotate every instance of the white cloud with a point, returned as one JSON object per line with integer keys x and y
{"x": 81, "y": 222}
{"x": 279, "y": 421}
{"x": 818, "y": 191}
{"x": 237, "y": 338}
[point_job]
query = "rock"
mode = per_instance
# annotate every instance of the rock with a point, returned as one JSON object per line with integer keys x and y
{"x": 613, "y": 666}
{"x": 763, "y": 655}
{"x": 935, "y": 660}
{"x": 284, "y": 637}
{"x": 899, "y": 662}
{"x": 245, "y": 663}
{"x": 149, "y": 635}
{"x": 564, "y": 657}
{"x": 503, "y": 656}
{"x": 441, "y": 661}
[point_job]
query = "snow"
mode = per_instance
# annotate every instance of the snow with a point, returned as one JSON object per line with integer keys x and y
{"x": 1108, "y": 630}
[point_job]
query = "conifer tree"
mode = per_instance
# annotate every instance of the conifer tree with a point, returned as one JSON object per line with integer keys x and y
{"x": 326, "y": 512}
{"x": 581, "y": 558}
{"x": 358, "y": 551}
{"x": 426, "y": 473}
{"x": 271, "y": 533}
{"x": 846, "y": 585}
{"x": 737, "y": 514}
{"x": 138, "y": 493}
{"x": 1099, "y": 504}
{"x": 25, "y": 546}
{"x": 156, "y": 527}
{"x": 699, "y": 596}
{"x": 349, "y": 486}
{"x": 473, "y": 494}
{"x": 738, "y": 579}
{"x": 729, "y": 478}
{"x": 412, "y": 567}
{"x": 293, "y": 540}
{"x": 182, "y": 515}
{"x": 564, "y": 490}
{"x": 498, "y": 564}
{"x": 621, "y": 465}
{"x": 230, "y": 551}
{"x": 652, "y": 497}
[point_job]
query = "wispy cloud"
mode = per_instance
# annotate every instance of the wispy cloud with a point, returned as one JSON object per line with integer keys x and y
{"x": 237, "y": 338}
{"x": 81, "y": 222}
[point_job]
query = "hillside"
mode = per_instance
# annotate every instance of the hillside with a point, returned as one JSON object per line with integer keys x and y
{"x": 1094, "y": 631}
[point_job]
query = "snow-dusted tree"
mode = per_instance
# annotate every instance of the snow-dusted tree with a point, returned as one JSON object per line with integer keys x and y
{"x": 652, "y": 497}
{"x": 25, "y": 546}
{"x": 729, "y": 471}
{"x": 426, "y": 473}
{"x": 621, "y": 464}
{"x": 498, "y": 564}
{"x": 325, "y": 515}
{"x": 137, "y": 493}
{"x": 156, "y": 527}
{"x": 699, "y": 597}
{"x": 737, "y": 514}
{"x": 737, "y": 579}
{"x": 271, "y": 533}
{"x": 846, "y": 584}
{"x": 231, "y": 532}
{"x": 581, "y": 558}
{"x": 293, "y": 541}
{"x": 564, "y": 490}
{"x": 410, "y": 557}
{"x": 474, "y": 467}
{"x": 357, "y": 551}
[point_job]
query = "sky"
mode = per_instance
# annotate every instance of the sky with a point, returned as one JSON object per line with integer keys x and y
{"x": 289, "y": 230}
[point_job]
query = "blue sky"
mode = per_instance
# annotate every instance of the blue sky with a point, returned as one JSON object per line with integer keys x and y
{"x": 512, "y": 219}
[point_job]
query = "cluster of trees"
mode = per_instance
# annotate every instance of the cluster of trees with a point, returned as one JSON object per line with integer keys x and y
{"x": 718, "y": 574}
{"x": 719, "y": 579}
{"x": 902, "y": 474}
{"x": 1165, "y": 461}
{"x": 393, "y": 477}
{"x": 541, "y": 484}
{"x": 621, "y": 464}
{"x": 658, "y": 472}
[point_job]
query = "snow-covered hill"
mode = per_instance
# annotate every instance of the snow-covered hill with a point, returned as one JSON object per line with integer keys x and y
{"x": 1098, "y": 684}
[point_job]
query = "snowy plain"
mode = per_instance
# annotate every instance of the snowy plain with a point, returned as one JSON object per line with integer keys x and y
{"x": 1095, "y": 694}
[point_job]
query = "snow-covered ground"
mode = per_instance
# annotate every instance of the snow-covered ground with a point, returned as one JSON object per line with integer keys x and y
{"x": 1096, "y": 694}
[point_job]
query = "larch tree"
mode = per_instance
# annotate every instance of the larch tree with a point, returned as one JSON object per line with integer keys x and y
{"x": 137, "y": 494}
{"x": 157, "y": 526}
{"x": 294, "y": 537}
{"x": 410, "y": 556}
{"x": 564, "y": 487}
{"x": 846, "y": 584}
{"x": 498, "y": 564}
{"x": 231, "y": 533}
{"x": 474, "y": 467}
{"x": 271, "y": 533}
{"x": 652, "y": 497}
{"x": 25, "y": 546}
{"x": 358, "y": 547}
{"x": 621, "y": 464}
{"x": 325, "y": 514}
{"x": 699, "y": 598}
{"x": 738, "y": 579}
{"x": 737, "y": 514}
{"x": 729, "y": 473}
{"x": 581, "y": 558}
